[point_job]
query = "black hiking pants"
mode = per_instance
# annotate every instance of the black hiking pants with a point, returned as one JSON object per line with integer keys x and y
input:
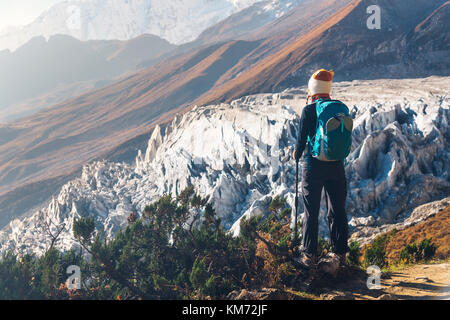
{"x": 318, "y": 175}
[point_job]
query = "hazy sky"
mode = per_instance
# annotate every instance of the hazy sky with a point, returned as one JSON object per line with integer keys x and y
{"x": 22, "y": 12}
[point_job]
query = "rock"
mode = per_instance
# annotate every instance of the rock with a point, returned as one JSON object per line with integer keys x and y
{"x": 337, "y": 295}
{"x": 366, "y": 234}
{"x": 424, "y": 279}
{"x": 262, "y": 294}
{"x": 386, "y": 296}
{"x": 329, "y": 265}
{"x": 363, "y": 221}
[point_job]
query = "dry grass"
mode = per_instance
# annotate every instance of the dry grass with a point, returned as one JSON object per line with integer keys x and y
{"x": 436, "y": 227}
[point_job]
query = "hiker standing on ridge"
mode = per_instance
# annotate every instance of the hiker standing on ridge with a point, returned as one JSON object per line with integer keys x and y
{"x": 325, "y": 132}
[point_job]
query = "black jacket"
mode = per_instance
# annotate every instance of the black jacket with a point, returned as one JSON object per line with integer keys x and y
{"x": 307, "y": 129}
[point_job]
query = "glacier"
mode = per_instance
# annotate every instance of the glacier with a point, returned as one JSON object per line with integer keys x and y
{"x": 239, "y": 154}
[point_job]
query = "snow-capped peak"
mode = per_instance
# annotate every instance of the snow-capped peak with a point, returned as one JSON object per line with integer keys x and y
{"x": 178, "y": 21}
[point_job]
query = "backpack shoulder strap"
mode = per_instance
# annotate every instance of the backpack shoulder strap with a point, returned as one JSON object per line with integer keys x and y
{"x": 319, "y": 107}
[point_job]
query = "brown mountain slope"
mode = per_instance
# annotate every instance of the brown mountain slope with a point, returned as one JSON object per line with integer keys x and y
{"x": 345, "y": 44}
{"x": 61, "y": 138}
{"x": 436, "y": 227}
{"x": 40, "y": 65}
{"x": 271, "y": 71}
{"x": 253, "y": 24}
{"x": 283, "y": 32}
{"x": 433, "y": 34}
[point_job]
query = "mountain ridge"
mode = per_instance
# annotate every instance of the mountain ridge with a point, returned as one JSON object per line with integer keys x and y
{"x": 329, "y": 43}
{"x": 98, "y": 20}
{"x": 66, "y": 61}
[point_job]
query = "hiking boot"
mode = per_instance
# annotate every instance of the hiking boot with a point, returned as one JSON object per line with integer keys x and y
{"x": 305, "y": 261}
{"x": 331, "y": 263}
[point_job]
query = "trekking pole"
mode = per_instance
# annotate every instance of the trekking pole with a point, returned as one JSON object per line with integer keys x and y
{"x": 296, "y": 203}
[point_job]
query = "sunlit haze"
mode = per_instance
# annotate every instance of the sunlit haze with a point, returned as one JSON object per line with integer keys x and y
{"x": 22, "y": 12}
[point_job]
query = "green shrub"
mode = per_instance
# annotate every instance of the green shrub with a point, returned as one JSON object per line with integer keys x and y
{"x": 323, "y": 245}
{"x": 354, "y": 254}
{"x": 199, "y": 274}
{"x": 408, "y": 253}
{"x": 210, "y": 287}
{"x": 428, "y": 249}
{"x": 415, "y": 253}
{"x": 176, "y": 249}
{"x": 376, "y": 252}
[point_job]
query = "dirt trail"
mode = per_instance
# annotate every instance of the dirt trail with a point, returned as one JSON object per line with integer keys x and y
{"x": 431, "y": 281}
{"x": 416, "y": 282}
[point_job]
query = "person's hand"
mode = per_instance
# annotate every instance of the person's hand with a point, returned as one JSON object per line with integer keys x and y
{"x": 293, "y": 154}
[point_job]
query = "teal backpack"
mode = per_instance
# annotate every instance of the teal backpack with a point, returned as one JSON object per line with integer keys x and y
{"x": 334, "y": 127}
